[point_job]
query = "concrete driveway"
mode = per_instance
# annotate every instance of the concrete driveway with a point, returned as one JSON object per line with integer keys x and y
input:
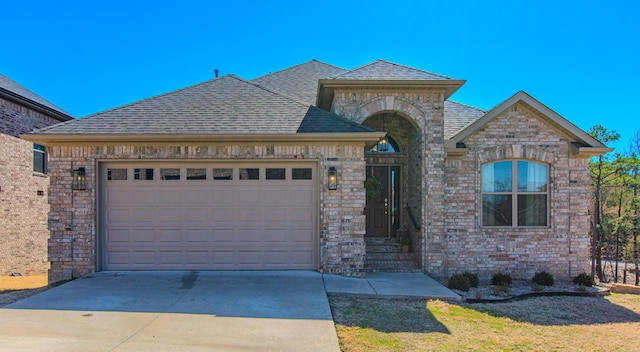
{"x": 175, "y": 311}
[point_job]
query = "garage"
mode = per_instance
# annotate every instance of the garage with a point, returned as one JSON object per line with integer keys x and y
{"x": 208, "y": 216}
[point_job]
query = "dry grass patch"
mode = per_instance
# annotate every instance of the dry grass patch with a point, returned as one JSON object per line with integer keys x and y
{"x": 22, "y": 282}
{"x": 537, "y": 324}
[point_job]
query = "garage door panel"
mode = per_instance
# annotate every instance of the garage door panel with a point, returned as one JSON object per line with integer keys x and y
{"x": 116, "y": 235}
{"x": 117, "y": 215}
{"x": 117, "y": 197}
{"x": 223, "y": 235}
{"x": 141, "y": 215}
{"x": 143, "y": 235}
{"x": 197, "y": 257}
{"x": 207, "y": 224}
{"x": 169, "y": 235}
{"x": 249, "y": 215}
{"x": 170, "y": 257}
{"x": 169, "y": 196}
{"x": 298, "y": 196}
{"x": 302, "y": 215}
{"x": 197, "y": 235}
{"x": 278, "y": 215}
{"x": 144, "y": 196}
{"x": 221, "y": 215}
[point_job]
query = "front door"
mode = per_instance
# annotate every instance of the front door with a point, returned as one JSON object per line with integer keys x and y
{"x": 382, "y": 211}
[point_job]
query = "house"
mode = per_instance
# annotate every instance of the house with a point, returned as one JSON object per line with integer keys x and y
{"x": 23, "y": 180}
{"x": 269, "y": 174}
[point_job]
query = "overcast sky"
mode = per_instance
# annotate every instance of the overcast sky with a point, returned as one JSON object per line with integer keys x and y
{"x": 580, "y": 58}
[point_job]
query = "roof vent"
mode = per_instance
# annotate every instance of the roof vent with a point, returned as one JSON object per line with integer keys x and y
{"x": 216, "y": 72}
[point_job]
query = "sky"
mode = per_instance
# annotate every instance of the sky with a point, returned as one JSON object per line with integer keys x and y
{"x": 579, "y": 58}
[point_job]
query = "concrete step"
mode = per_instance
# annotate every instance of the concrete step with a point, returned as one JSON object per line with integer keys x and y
{"x": 389, "y": 256}
{"x": 390, "y": 266}
{"x": 382, "y": 248}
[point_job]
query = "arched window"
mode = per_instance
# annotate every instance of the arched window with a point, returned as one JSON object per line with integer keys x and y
{"x": 515, "y": 193}
{"x": 385, "y": 145}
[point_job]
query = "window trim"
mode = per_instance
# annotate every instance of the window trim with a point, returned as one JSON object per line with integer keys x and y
{"x": 514, "y": 193}
{"x": 42, "y": 151}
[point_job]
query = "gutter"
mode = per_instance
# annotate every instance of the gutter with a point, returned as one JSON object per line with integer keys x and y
{"x": 34, "y": 105}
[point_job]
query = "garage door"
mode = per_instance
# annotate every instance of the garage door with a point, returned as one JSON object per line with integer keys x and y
{"x": 209, "y": 216}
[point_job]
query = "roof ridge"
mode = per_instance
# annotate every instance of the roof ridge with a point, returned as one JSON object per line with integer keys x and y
{"x": 354, "y": 69}
{"x": 300, "y": 64}
{"x": 271, "y": 90}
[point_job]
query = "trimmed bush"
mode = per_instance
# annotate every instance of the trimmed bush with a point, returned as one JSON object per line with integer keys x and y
{"x": 543, "y": 278}
{"x": 459, "y": 282}
{"x": 501, "y": 279}
{"x": 584, "y": 279}
{"x": 473, "y": 279}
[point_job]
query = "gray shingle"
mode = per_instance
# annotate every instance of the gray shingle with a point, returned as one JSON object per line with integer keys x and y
{"x": 457, "y": 116}
{"x": 384, "y": 70}
{"x": 226, "y": 105}
{"x": 300, "y": 81}
{"x": 12, "y": 86}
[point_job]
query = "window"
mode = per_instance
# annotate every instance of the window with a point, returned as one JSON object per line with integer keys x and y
{"x": 39, "y": 158}
{"x": 385, "y": 145}
{"x": 169, "y": 174}
{"x": 301, "y": 174}
{"x": 196, "y": 174}
{"x": 275, "y": 174}
{"x": 515, "y": 193}
{"x": 117, "y": 174}
{"x": 223, "y": 174}
{"x": 143, "y": 174}
{"x": 250, "y": 174}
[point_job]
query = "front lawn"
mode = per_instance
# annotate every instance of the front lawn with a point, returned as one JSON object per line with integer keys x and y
{"x": 609, "y": 323}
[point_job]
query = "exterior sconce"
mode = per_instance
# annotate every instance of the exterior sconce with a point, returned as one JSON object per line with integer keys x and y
{"x": 384, "y": 144}
{"x": 332, "y": 177}
{"x": 79, "y": 179}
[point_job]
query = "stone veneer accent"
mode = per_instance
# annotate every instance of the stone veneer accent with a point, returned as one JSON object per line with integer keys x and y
{"x": 561, "y": 249}
{"x": 72, "y": 220}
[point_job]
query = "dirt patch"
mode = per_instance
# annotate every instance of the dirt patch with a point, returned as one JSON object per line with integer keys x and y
{"x": 15, "y": 288}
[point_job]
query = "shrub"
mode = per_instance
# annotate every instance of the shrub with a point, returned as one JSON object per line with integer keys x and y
{"x": 543, "y": 278}
{"x": 473, "y": 279}
{"x": 459, "y": 282}
{"x": 501, "y": 279}
{"x": 502, "y": 289}
{"x": 536, "y": 287}
{"x": 584, "y": 279}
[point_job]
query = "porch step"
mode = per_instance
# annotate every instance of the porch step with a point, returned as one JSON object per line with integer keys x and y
{"x": 385, "y": 255}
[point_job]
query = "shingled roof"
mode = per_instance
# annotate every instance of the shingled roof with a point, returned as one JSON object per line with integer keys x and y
{"x": 385, "y": 70}
{"x": 300, "y": 81}
{"x": 458, "y": 116}
{"x": 13, "y": 90}
{"x": 227, "y": 105}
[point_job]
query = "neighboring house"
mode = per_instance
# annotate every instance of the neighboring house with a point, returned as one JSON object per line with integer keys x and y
{"x": 269, "y": 174}
{"x": 23, "y": 180}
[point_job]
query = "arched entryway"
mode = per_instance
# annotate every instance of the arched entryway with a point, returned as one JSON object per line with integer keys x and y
{"x": 395, "y": 165}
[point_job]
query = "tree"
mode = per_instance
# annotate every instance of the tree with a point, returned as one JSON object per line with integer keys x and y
{"x": 602, "y": 172}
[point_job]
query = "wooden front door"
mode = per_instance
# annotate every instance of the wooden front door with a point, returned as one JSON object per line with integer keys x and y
{"x": 382, "y": 211}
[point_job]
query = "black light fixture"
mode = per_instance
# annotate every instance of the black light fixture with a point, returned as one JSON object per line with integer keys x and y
{"x": 332, "y": 179}
{"x": 79, "y": 179}
{"x": 383, "y": 145}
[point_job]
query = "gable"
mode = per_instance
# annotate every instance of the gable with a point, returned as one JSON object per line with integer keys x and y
{"x": 587, "y": 145}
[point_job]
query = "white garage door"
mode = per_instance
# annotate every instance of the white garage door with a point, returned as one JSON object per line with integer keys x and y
{"x": 209, "y": 216}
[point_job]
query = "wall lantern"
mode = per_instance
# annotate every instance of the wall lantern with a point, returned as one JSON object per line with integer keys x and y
{"x": 383, "y": 145}
{"x": 332, "y": 178}
{"x": 79, "y": 179}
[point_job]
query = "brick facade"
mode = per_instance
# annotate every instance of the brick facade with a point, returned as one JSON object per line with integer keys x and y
{"x": 562, "y": 248}
{"x": 23, "y": 194}
{"x": 72, "y": 220}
